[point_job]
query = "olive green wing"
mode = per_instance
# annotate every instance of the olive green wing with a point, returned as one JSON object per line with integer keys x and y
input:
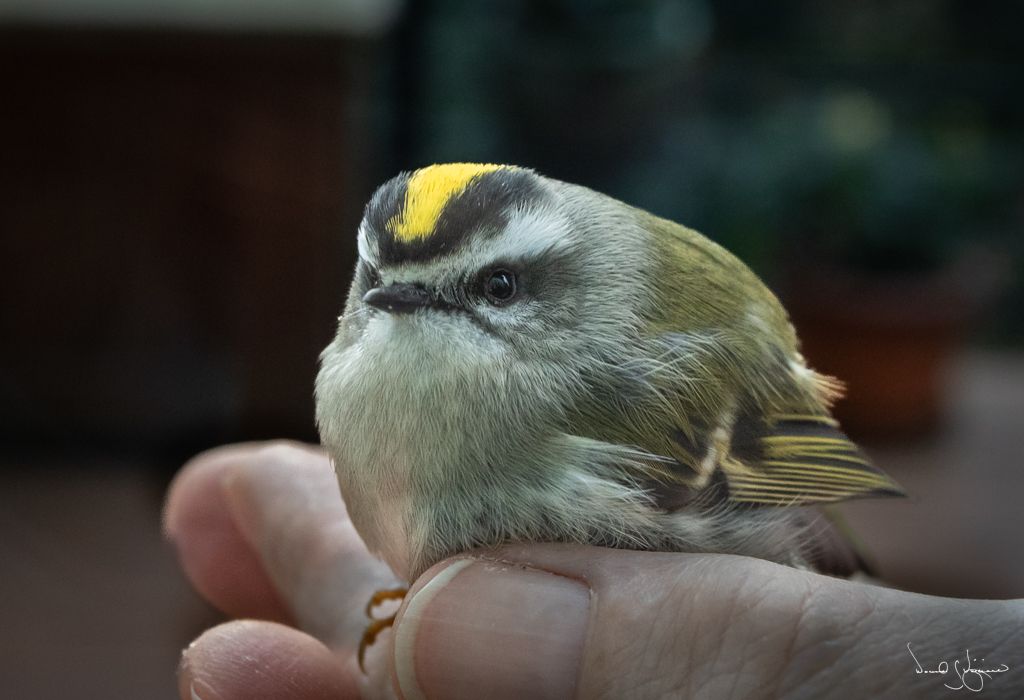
{"x": 721, "y": 399}
{"x": 748, "y": 454}
{"x": 752, "y": 449}
{"x": 798, "y": 459}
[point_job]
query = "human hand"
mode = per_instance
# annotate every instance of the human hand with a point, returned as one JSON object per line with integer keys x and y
{"x": 262, "y": 533}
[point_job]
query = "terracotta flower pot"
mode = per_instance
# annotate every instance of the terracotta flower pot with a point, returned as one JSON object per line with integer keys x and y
{"x": 889, "y": 338}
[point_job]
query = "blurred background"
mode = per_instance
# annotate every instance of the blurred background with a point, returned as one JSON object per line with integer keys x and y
{"x": 180, "y": 184}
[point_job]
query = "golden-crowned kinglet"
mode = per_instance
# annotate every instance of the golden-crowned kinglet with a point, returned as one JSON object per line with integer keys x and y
{"x": 522, "y": 359}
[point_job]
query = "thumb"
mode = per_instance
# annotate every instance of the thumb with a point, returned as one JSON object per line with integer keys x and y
{"x": 559, "y": 621}
{"x": 562, "y": 621}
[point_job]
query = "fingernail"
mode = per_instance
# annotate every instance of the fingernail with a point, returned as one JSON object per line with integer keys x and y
{"x": 186, "y": 679}
{"x": 207, "y": 692}
{"x": 495, "y": 630}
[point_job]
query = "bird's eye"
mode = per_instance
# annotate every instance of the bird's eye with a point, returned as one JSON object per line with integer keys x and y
{"x": 500, "y": 286}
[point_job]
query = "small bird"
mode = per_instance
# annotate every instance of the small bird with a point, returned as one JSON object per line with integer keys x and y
{"x": 526, "y": 360}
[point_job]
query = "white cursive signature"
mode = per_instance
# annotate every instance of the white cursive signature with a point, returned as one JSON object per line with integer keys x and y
{"x": 972, "y": 679}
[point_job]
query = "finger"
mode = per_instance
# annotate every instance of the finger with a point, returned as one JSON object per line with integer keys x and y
{"x": 253, "y": 660}
{"x": 550, "y": 621}
{"x": 287, "y": 505}
{"x": 214, "y": 554}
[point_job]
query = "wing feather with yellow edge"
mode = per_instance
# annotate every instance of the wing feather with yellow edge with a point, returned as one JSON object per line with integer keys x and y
{"x": 796, "y": 459}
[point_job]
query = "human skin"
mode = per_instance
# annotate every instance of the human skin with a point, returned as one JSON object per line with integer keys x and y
{"x": 262, "y": 533}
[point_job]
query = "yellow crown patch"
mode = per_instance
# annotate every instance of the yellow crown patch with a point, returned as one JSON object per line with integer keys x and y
{"x": 428, "y": 191}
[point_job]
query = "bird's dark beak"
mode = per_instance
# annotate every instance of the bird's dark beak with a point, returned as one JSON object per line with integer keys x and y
{"x": 398, "y": 298}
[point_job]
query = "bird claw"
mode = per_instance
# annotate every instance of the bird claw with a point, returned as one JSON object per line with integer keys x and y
{"x": 377, "y": 624}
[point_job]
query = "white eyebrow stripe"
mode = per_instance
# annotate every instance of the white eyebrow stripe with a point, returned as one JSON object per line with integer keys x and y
{"x": 529, "y": 233}
{"x": 366, "y": 246}
{"x": 422, "y": 272}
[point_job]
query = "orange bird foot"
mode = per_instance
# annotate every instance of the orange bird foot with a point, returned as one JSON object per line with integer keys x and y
{"x": 377, "y": 624}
